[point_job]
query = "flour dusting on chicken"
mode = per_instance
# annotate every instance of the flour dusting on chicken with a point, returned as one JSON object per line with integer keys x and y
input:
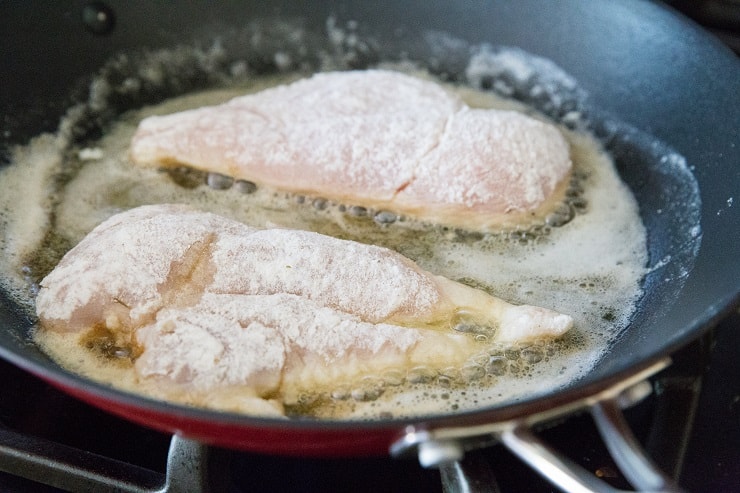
{"x": 377, "y": 139}
{"x": 207, "y": 304}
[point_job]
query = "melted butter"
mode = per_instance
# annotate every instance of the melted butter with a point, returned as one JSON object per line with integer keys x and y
{"x": 589, "y": 268}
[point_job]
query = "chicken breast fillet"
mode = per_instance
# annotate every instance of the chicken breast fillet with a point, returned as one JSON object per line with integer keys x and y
{"x": 377, "y": 139}
{"x": 211, "y": 305}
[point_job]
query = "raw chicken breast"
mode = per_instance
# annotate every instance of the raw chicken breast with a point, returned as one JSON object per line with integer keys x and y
{"x": 209, "y": 305}
{"x": 377, "y": 139}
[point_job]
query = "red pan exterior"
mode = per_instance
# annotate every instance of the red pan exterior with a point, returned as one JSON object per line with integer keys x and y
{"x": 277, "y": 440}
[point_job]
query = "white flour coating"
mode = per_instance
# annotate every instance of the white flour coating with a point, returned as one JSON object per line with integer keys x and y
{"x": 378, "y": 139}
{"x": 278, "y": 345}
{"x": 267, "y": 343}
{"x": 291, "y": 136}
{"x": 356, "y": 278}
{"x": 323, "y": 100}
{"x": 128, "y": 261}
{"x": 532, "y": 160}
{"x": 181, "y": 286}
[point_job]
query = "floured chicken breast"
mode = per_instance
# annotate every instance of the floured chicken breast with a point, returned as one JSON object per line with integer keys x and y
{"x": 377, "y": 139}
{"x": 250, "y": 318}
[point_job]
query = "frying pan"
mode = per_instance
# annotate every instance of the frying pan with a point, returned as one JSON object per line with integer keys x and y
{"x": 660, "y": 93}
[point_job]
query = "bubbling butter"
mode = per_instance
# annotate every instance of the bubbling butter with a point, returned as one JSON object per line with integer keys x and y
{"x": 590, "y": 267}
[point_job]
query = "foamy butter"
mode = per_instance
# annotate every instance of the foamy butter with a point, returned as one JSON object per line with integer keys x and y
{"x": 589, "y": 268}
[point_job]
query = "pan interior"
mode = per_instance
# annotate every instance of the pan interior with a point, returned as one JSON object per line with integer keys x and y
{"x": 659, "y": 177}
